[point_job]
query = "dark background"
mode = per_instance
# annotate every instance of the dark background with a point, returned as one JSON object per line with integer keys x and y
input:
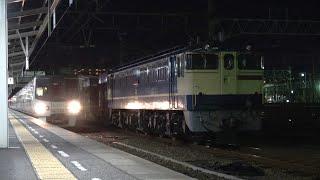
{"x": 110, "y": 45}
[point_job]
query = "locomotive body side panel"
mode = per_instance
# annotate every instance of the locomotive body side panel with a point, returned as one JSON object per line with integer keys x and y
{"x": 199, "y": 90}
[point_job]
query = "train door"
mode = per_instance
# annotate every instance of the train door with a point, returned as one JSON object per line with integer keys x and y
{"x": 172, "y": 83}
{"x": 109, "y": 94}
{"x": 110, "y": 91}
{"x": 228, "y": 73}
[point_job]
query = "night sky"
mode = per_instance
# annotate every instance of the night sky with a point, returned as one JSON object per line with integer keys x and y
{"x": 108, "y": 48}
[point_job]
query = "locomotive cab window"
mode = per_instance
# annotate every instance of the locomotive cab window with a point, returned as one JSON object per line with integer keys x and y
{"x": 250, "y": 62}
{"x": 228, "y": 61}
{"x": 196, "y": 61}
{"x": 202, "y": 61}
{"x": 212, "y": 61}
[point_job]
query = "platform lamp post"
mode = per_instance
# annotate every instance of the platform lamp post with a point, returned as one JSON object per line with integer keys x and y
{"x": 3, "y": 75}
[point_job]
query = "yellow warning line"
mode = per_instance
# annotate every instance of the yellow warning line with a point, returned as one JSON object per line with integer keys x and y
{"x": 45, "y": 164}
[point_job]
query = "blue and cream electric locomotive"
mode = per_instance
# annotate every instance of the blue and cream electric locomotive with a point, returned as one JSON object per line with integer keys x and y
{"x": 186, "y": 90}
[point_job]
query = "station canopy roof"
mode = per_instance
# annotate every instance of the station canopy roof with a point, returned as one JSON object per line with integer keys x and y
{"x": 27, "y": 20}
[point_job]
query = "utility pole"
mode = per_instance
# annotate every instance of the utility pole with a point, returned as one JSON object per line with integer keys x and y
{"x": 3, "y": 75}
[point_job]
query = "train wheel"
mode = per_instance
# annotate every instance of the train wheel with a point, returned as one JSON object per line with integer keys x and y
{"x": 161, "y": 128}
{"x": 115, "y": 118}
{"x": 178, "y": 124}
{"x": 168, "y": 131}
{"x": 139, "y": 121}
{"x": 125, "y": 121}
{"x": 145, "y": 122}
{"x": 122, "y": 119}
{"x": 175, "y": 124}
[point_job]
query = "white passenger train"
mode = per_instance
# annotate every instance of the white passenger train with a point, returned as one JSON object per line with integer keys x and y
{"x": 55, "y": 98}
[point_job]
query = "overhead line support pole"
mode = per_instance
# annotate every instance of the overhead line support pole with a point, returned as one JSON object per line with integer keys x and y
{"x": 25, "y": 49}
{"x": 49, "y": 19}
{"x": 3, "y": 75}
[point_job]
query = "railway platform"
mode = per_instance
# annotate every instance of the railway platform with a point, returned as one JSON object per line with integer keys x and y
{"x": 39, "y": 150}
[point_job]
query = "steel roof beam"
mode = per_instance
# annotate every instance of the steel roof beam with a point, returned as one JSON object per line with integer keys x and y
{"x": 16, "y": 67}
{"x": 17, "y": 71}
{"x": 13, "y": 44}
{"x": 24, "y": 25}
{"x": 234, "y": 27}
{"x": 17, "y": 59}
{"x": 44, "y": 25}
{"x": 16, "y": 54}
{"x": 17, "y": 64}
{"x": 30, "y": 12}
{"x": 21, "y": 63}
{"x": 13, "y": 1}
{"x": 24, "y": 34}
{"x": 15, "y": 49}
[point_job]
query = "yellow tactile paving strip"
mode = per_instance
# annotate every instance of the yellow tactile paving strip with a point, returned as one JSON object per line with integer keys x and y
{"x": 44, "y": 163}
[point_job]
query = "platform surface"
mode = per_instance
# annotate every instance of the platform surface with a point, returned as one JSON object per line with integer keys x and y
{"x": 14, "y": 163}
{"x": 47, "y": 150}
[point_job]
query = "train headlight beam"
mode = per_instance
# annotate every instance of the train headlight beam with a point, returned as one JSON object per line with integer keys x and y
{"x": 40, "y": 108}
{"x": 74, "y": 107}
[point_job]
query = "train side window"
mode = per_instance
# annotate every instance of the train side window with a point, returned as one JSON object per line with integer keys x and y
{"x": 188, "y": 61}
{"x": 228, "y": 61}
{"x": 154, "y": 75}
{"x": 162, "y": 74}
{"x": 212, "y": 61}
{"x": 180, "y": 66}
{"x": 183, "y": 64}
{"x": 148, "y": 76}
{"x": 197, "y": 61}
{"x": 144, "y": 75}
{"x": 159, "y": 74}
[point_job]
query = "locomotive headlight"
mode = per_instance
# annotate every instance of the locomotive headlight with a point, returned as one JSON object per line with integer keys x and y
{"x": 40, "y": 108}
{"x": 74, "y": 107}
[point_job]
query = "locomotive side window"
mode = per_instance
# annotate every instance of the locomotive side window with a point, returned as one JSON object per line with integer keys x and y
{"x": 228, "y": 61}
{"x": 143, "y": 75}
{"x": 182, "y": 64}
{"x": 178, "y": 66}
{"x": 249, "y": 62}
{"x": 212, "y": 61}
{"x": 162, "y": 74}
{"x": 199, "y": 61}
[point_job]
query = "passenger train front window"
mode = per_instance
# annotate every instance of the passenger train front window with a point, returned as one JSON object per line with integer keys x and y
{"x": 41, "y": 91}
{"x": 202, "y": 61}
